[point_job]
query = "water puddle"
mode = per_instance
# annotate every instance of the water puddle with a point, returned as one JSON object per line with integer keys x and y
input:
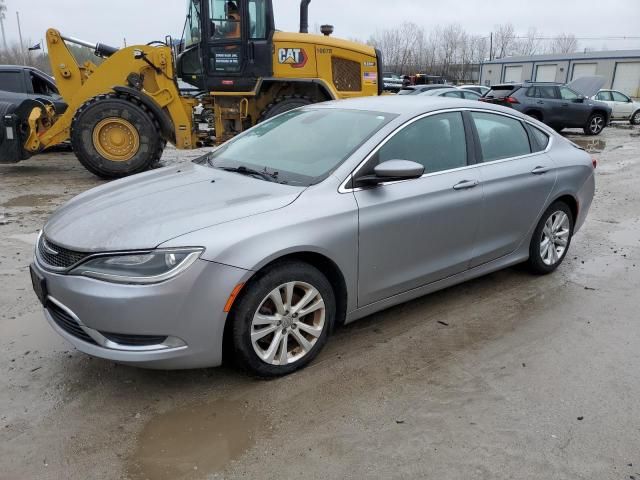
{"x": 29, "y": 200}
{"x": 591, "y": 145}
{"x": 194, "y": 441}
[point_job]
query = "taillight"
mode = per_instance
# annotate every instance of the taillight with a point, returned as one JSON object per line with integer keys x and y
{"x": 594, "y": 162}
{"x": 511, "y": 100}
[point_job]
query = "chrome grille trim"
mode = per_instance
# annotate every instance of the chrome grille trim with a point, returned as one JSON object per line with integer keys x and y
{"x": 56, "y": 258}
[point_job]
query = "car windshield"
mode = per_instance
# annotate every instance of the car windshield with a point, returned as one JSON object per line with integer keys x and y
{"x": 300, "y": 147}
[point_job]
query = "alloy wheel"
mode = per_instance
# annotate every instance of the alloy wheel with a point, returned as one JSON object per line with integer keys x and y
{"x": 555, "y": 238}
{"x": 288, "y": 323}
{"x": 636, "y": 118}
{"x": 597, "y": 124}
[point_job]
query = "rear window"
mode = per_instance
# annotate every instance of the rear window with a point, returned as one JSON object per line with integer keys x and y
{"x": 501, "y": 91}
{"x": 12, "y": 82}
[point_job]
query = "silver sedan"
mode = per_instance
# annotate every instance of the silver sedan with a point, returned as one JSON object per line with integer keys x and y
{"x": 310, "y": 220}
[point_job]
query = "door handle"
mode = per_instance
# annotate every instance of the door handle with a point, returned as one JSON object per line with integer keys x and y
{"x": 565, "y": 104}
{"x": 540, "y": 170}
{"x": 466, "y": 184}
{"x": 540, "y": 102}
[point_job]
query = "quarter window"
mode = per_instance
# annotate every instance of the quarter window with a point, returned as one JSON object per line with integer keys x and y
{"x": 540, "y": 140}
{"x": 438, "y": 142}
{"x": 500, "y": 136}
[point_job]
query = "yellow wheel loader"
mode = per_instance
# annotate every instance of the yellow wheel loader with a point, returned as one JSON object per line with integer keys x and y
{"x": 121, "y": 114}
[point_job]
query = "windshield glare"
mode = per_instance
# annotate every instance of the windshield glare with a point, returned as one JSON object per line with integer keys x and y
{"x": 300, "y": 147}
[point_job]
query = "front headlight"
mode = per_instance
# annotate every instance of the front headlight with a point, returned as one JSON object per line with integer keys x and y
{"x": 139, "y": 267}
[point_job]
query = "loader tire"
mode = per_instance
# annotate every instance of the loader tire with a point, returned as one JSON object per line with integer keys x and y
{"x": 115, "y": 136}
{"x": 284, "y": 104}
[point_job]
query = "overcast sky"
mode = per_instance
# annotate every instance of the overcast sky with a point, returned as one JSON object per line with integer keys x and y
{"x": 140, "y": 21}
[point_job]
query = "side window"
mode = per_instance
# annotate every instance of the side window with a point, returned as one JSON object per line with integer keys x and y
{"x": 532, "y": 92}
{"x": 604, "y": 96}
{"x": 547, "y": 92}
{"x": 225, "y": 19}
{"x": 257, "y": 19}
{"x": 453, "y": 94}
{"x": 470, "y": 95}
{"x": 12, "y": 82}
{"x": 540, "y": 140}
{"x": 438, "y": 142}
{"x": 42, "y": 86}
{"x": 500, "y": 136}
{"x": 568, "y": 94}
{"x": 619, "y": 97}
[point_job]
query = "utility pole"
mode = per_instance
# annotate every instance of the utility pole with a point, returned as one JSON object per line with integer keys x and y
{"x": 3, "y": 8}
{"x": 24, "y": 59}
{"x": 491, "y": 47}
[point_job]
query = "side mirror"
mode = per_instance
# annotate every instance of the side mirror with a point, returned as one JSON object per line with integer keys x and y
{"x": 392, "y": 170}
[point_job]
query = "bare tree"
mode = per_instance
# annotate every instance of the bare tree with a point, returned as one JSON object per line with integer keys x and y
{"x": 530, "y": 44}
{"x": 564, "y": 43}
{"x": 504, "y": 40}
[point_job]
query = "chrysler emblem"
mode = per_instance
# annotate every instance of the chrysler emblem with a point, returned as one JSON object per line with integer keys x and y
{"x": 48, "y": 249}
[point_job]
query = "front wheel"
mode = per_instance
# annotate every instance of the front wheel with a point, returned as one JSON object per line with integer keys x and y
{"x": 283, "y": 319}
{"x": 114, "y": 137}
{"x": 595, "y": 124}
{"x": 551, "y": 239}
{"x": 635, "y": 118}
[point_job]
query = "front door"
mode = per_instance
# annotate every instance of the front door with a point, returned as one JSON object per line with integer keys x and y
{"x": 415, "y": 232}
{"x": 622, "y": 105}
{"x": 575, "y": 109}
{"x": 517, "y": 179}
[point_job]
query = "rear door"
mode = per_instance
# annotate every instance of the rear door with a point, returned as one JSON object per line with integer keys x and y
{"x": 517, "y": 179}
{"x": 415, "y": 232}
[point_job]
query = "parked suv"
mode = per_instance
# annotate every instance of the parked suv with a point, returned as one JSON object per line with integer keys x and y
{"x": 19, "y": 83}
{"x": 559, "y": 106}
{"x": 622, "y": 107}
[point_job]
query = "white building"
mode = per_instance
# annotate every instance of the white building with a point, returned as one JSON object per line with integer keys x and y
{"x": 620, "y": 68}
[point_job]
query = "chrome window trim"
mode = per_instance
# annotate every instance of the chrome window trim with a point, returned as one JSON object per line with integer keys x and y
{"x": 343, "y": 186}
{"x": 102, "y": 341}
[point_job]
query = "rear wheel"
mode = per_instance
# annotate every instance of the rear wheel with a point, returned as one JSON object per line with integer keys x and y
{"x": 284, "y": 104}
{"x": 635, "y": 118}
{"x": 595, "y": 124}
{"x": 283, "y": 319}
{"x": 114, "y": 137}
{"x": 551, "y": 239}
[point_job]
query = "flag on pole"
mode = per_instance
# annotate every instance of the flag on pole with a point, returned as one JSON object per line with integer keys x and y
{"x": 35, "y": 47}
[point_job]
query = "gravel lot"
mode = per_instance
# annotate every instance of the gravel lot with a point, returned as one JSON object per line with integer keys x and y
{"x": 508, "y": 376}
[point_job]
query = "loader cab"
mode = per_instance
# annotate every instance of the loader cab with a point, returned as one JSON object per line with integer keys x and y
{"x": 227, "y": 44}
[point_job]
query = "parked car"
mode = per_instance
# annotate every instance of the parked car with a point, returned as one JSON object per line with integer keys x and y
{"x": 19, "y": 83}
{"x": 453, "y": 92}
{"x": 622, "y": 107}
{"x": 418, "y": 89}
{"x": 481, "y": 89}
{"x": 393, "y": 82}
{"x": 278, "y": 236}
{"x": 559, "y": 106}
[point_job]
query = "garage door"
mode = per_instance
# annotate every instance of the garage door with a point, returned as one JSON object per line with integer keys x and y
{"x": 627, "y": 78}
{"x": 546, "y": 73}
{"x": 584, "y": 70}
{"x": 513, "y": 74}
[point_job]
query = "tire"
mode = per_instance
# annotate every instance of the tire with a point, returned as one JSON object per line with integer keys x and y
{"x": 635, "y": 118}
{"x": 595, "y": 124}
{"x": 543, "y": 264}
{"x": 255, "y": 299}
{"x": 137, "y": 145}
{"x": 284, "y": 104}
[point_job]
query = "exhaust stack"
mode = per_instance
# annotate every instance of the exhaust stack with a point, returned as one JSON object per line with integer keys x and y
{"x": 304, "y": 16}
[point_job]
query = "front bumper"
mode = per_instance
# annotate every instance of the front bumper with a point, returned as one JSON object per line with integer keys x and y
{"x": 185, "y": 314}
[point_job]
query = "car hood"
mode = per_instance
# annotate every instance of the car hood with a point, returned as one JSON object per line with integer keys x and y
{"x": 145, "y": 210}
{"x": 587, "y": 86}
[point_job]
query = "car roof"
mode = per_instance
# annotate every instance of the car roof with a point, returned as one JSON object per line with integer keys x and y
{"x": 412, "y": 105}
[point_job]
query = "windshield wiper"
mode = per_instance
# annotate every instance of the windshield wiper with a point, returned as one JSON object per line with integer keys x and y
{"x": 271, "y": 177}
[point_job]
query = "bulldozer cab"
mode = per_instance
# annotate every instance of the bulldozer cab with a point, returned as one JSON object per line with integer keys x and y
{"x": 227, "y": 44}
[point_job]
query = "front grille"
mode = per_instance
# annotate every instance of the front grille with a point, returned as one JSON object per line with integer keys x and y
{"x": 134, "y": 340}
{"x": 346, "y": 75}
{"x": 67, "y": 323}
{"x": 57, "y": 257}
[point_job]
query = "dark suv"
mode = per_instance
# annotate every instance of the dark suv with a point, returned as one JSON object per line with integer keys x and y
{"x": 557, "y": 105}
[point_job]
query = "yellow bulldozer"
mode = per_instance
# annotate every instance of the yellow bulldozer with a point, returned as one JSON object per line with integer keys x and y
{"x": 121, "y": 114}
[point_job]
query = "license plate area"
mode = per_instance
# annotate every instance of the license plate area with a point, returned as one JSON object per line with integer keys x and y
{"x": 39, "y": 285}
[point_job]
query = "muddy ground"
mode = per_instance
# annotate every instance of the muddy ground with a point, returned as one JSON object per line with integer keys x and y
{"x": 508, "y": 376}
